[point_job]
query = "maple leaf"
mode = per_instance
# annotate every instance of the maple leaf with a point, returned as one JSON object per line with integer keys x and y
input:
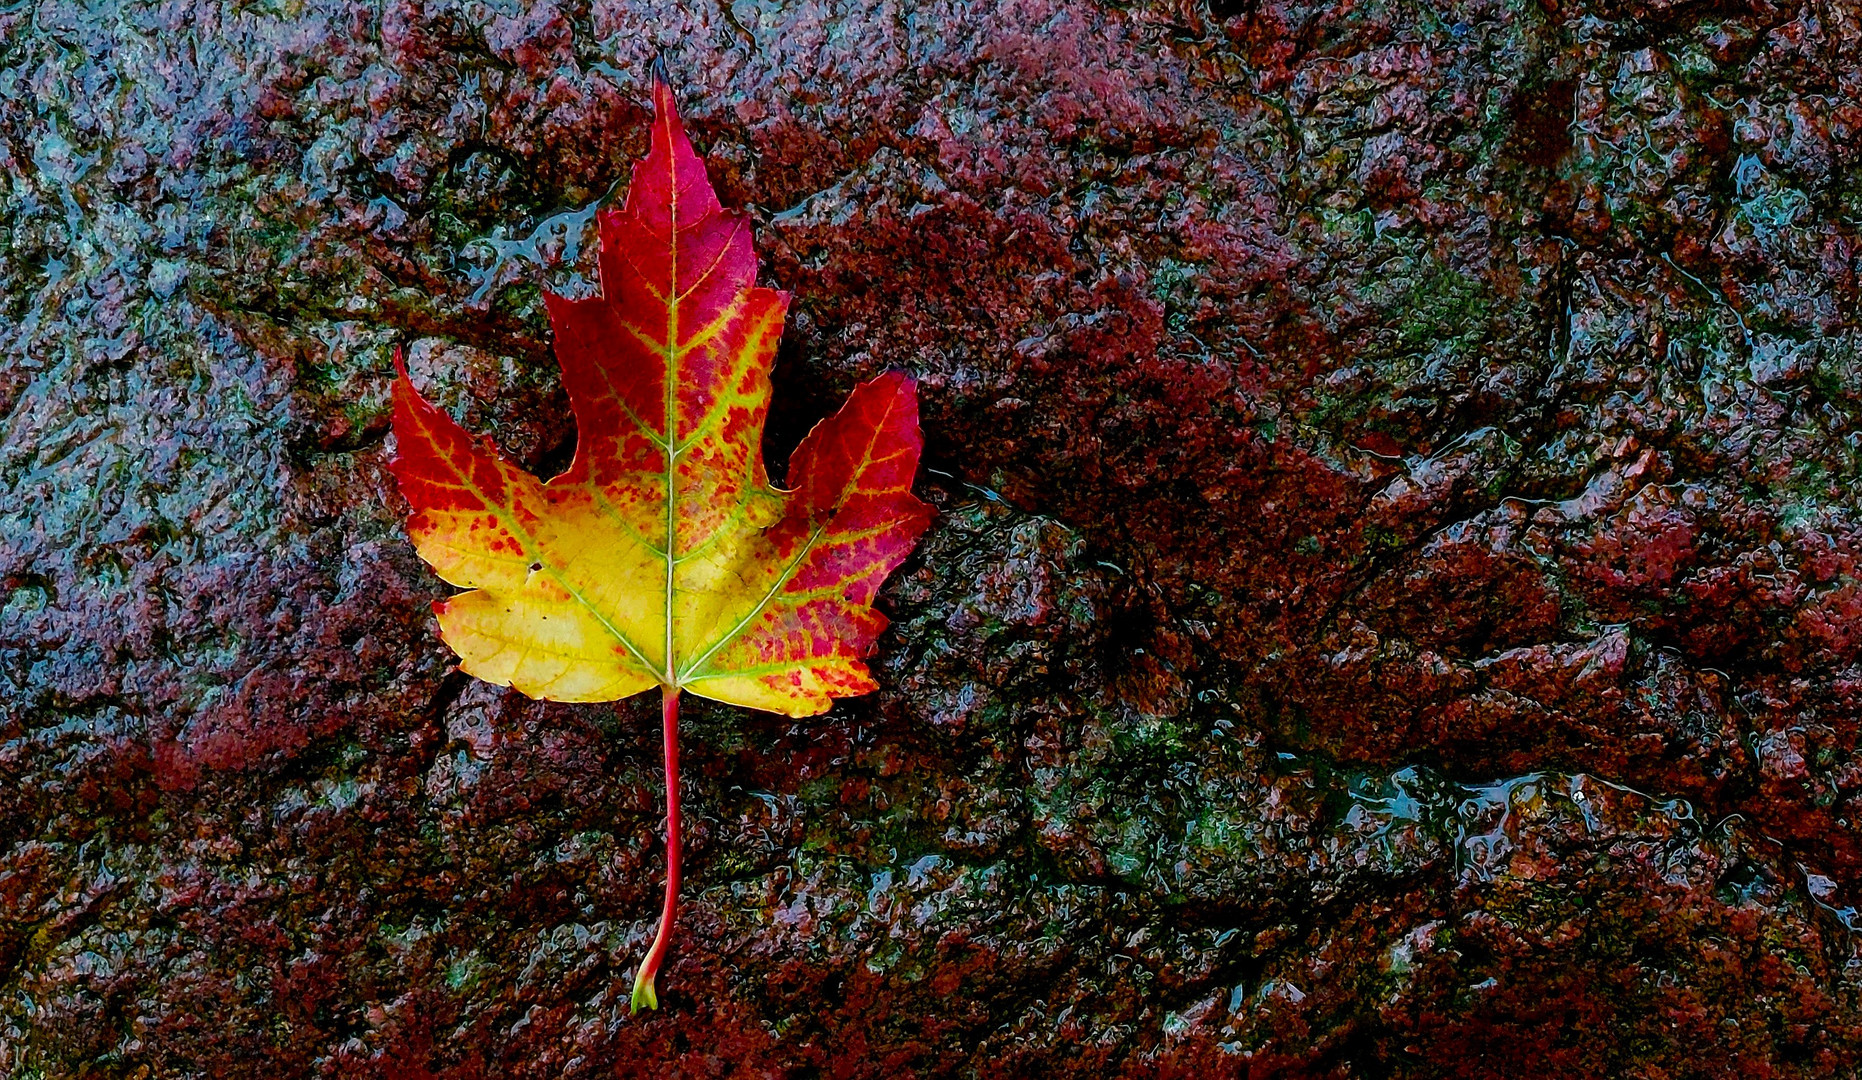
{"x": 663, "y": 556}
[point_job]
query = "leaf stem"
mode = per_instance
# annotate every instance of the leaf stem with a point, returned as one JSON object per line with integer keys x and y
{"x": 646, "y": 996}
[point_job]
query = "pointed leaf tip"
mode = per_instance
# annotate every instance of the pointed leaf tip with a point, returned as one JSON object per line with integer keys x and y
{"x": 665, "y": 104}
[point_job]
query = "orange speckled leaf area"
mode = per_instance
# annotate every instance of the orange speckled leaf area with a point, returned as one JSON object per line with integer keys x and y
{"x": 663, "y": 556}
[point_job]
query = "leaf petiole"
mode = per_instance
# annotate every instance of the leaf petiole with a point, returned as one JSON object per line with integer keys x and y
{"x": 645, "y": 994}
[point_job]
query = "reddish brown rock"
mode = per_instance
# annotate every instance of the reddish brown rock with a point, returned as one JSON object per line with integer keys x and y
{"x": 1393, "y": 611}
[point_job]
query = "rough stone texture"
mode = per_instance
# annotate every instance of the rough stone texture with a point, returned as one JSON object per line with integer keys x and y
{"x": 1394, "y": 610}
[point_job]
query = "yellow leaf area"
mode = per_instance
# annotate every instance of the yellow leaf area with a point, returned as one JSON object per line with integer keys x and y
{"x": 663, "y": 556}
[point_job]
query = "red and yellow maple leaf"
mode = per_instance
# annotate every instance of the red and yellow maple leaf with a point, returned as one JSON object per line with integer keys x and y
{"x": 663, "y": 556}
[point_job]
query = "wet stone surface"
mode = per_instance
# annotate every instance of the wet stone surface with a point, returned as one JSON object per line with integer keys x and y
{"x": 1394, "y": 608}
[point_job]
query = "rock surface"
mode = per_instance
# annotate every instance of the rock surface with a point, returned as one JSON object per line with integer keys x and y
{"x": 1394, "y": 609}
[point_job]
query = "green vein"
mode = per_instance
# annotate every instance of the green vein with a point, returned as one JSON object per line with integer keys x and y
{"x": 783, "y": 579}
{"x": 529, "y": 540}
